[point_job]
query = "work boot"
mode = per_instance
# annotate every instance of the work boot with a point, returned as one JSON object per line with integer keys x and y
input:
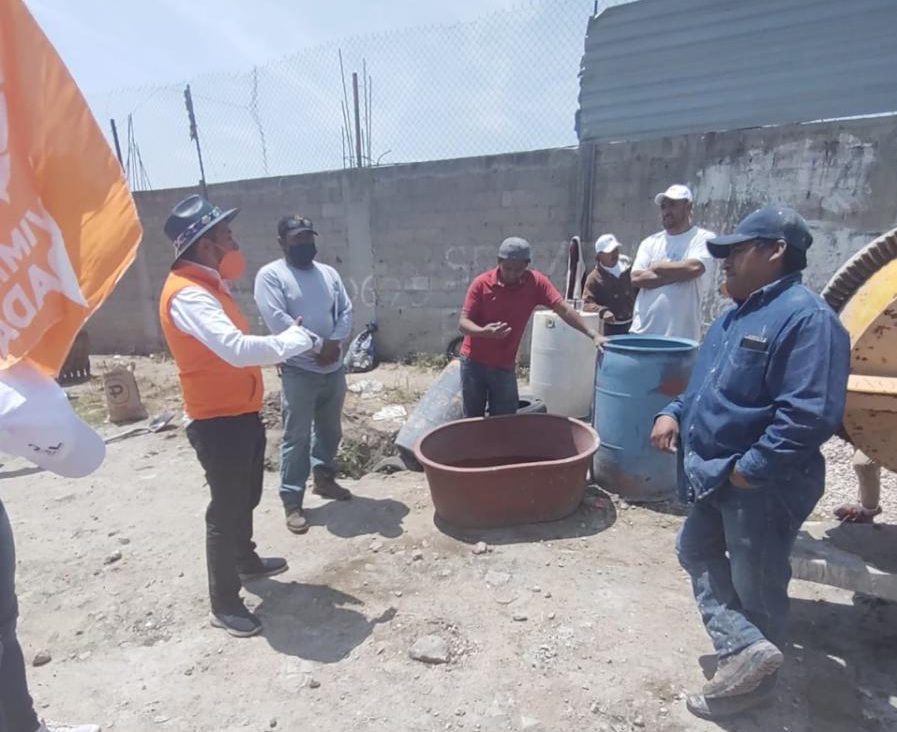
{"x": 263, "y": 567}
{"x": 742, "y": 672}
{"x": 296, "y": 521}
{"x": 730, "y": 706}
{"x": 51, "y": 727}
{"x": 327, "y": 487}
{"x": 241, "y": 624}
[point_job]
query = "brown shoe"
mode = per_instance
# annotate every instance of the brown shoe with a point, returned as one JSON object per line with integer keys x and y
{"x": 296, "y": 521}
{"x": 327, "y": 487}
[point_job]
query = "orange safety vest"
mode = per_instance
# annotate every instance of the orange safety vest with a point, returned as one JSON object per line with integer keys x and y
{"x": 211, "y": 386}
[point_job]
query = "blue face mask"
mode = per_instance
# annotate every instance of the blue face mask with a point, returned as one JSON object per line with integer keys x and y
{"x": 302, "y": 255}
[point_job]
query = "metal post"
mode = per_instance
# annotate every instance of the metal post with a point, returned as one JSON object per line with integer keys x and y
{"x": 587, "y": 155}
{"x": 194, "y": 135}
{"x": 357, "y": 118}
{"x": 117, "y": 145}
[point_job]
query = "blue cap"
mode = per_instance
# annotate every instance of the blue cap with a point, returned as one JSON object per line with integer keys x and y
{"x": 772, "y": 223}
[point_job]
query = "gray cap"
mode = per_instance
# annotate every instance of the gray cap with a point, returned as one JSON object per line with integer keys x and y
{"x": 514, "y": 248}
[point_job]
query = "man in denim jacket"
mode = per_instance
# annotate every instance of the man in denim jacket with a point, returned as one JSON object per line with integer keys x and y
{"x": 767, "y": 391}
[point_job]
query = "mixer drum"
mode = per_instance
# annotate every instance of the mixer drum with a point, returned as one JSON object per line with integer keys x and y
{"x": 864, "y": 293}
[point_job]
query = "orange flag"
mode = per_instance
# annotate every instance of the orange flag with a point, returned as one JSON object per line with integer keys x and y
{"x": 68, "y": 225}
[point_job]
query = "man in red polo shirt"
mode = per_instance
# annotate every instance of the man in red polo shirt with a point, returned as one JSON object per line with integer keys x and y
{"x": 495, "y": 313}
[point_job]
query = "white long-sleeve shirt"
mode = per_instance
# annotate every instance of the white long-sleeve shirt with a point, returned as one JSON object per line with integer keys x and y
{"x": 198, "y": 313}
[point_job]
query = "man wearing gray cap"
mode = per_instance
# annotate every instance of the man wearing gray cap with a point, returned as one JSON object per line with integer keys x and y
{"x": 495, "y": 313}
{"x": 767, "y": 390}
{"x": 670, "y": 271}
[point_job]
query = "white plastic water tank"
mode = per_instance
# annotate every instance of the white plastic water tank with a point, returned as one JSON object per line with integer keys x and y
{"x": 562, "y": 364}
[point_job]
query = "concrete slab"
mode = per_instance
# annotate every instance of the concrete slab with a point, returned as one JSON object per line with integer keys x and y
{"x": 858, "y": 557}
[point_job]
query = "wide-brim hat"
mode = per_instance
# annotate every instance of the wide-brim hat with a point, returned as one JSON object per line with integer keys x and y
{"x": 191, "y": 218}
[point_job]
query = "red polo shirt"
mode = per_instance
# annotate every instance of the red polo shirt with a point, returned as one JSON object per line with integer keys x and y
{"x": 489, "y": 300}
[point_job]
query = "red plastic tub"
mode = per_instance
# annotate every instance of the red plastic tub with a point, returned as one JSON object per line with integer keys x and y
{"x": 505, "y": 471}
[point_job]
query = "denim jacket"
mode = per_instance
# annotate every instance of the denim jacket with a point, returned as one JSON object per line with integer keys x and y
{"x": 768, "y": 388}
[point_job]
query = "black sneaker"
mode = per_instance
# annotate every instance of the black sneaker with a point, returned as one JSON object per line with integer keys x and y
{"x": 239, "y": 626}
{"x": 264, "y": 567}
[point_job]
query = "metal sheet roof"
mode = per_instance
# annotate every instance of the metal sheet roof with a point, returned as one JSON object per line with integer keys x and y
{"x": 661, "y": 67}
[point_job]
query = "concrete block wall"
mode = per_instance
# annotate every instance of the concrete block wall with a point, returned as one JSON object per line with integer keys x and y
{"x": 841, "y": 176}
{"x": 408, "y": 239}
{"x": 436, "y": 226}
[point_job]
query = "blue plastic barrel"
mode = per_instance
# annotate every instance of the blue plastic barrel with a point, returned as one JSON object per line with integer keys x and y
{"x": 637, "y": 376}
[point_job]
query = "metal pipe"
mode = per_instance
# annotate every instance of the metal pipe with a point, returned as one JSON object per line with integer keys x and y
{"x": 194, "y": 135}
{"x": 117, "y": 145}
{"x": 357, "y": 118}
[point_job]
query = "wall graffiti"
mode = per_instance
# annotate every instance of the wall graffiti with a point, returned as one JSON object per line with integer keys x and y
{"x": 364, "y": 294}
{"x": 469, "y": 261}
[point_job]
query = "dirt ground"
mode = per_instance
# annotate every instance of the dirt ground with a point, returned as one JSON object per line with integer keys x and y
{"x": 583, "y": 624}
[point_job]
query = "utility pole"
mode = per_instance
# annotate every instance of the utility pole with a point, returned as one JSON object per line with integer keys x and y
{"x": 194, "y": 135}
{"x": 117, "y": 145}
{"x": 357, "y": 118}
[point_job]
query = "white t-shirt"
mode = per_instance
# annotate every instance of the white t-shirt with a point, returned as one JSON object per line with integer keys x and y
{"x": 675, "y": 309}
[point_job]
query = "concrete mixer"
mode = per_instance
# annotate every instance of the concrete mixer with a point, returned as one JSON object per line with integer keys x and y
{"x": 862, "y": 557}
{"x": 864, "y": 292}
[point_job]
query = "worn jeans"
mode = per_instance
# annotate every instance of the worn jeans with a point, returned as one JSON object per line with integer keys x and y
{"x": 231, "y": 450}
{"x": 736, "y": 546}
{"x": 16, "y": 708}
{"x": 482, "y": 385}
{"x": 312, "y": 406}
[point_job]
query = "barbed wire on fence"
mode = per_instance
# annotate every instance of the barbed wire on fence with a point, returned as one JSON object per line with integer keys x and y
{"x": 504, "y": 83}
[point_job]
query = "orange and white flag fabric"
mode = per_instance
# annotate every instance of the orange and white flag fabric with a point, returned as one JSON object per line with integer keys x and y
{"x": 68, "y": 225}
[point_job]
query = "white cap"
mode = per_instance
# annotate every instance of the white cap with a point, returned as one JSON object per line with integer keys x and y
{"x": 675, "y": 192}
{"x": 606, "y": 243}
{"x": 38, "y": 423}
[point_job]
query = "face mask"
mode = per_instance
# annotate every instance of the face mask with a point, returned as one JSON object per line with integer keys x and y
{"x": 301, "y": 255}
{"x": 616, "y": 270}
{"x": 232, "y": 265}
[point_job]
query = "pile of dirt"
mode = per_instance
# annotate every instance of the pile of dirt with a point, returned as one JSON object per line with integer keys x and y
{"x": 366, "y": 443}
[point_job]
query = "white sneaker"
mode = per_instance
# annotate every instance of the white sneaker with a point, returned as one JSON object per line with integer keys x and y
{"x": 49, "y": 727}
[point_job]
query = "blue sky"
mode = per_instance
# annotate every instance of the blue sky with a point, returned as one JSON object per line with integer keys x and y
{"x": 469, "y": 77}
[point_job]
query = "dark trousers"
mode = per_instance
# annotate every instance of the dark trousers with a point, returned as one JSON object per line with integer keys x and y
{"x": 232, "y": 452}
{"x": 16, "y": 708}
{"x": 482, "y": 385}
{"x": 736, "y": 546}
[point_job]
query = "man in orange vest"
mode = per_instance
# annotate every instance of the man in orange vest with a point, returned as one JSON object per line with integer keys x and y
{"x": 219, "y": 370}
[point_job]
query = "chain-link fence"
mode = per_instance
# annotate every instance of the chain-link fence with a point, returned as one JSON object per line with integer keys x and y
{"x": 506, "y": 82}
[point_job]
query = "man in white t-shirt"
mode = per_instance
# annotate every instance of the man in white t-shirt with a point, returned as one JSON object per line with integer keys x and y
{"x": 671, "y": 271}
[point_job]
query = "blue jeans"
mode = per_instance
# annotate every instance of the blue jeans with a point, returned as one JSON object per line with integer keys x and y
{"x": 736, "y": 545}
{"x": 312, "y": 406}
{"x": 481, "y": 384}
{"x": 16, "y": 708}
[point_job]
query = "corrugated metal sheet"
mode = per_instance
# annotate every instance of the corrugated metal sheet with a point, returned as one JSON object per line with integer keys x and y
{"x": 660, "y": 67}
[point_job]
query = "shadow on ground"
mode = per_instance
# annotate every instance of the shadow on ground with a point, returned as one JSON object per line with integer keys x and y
{"x": 313, "y": 622}
{"x": 840, "y": 671}
{"x": 360, "y": 516}
{"x": 875, "y": 544}
{"x": 595, "y": 514}
{"x": 20, "y": 472}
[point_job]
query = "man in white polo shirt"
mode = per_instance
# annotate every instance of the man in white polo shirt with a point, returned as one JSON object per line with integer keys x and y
{"x": 672, "y": 269}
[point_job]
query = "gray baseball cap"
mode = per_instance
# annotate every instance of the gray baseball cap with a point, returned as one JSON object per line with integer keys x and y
{"x": 514, "y": 248}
